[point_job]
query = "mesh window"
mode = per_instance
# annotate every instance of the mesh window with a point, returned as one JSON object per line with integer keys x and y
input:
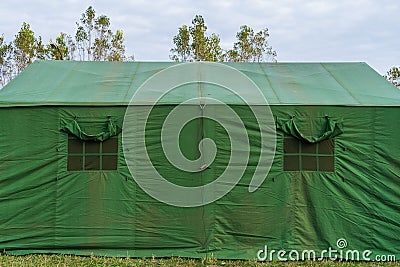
{"x": 92, "y": 147}
{"x": 326, "y": 164}
{"x": 291, "y": 145}
{"x": 75, "y": 163}
{"x": 302, "y": 156}
{"x": 75, "y": 146}
{"x": 92, "y": 162}
{"x": 110, "y": 162}
{"x": 307, "y": 148}
{"x": 92, "y": 155}
{"x": 309, "y": 163}
{"x": 291, "y": 163}
{"x": 326, "y": 147}
{"x": 110, "y": 145}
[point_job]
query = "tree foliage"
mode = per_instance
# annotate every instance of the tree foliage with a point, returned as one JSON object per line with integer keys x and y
{"x": 5, "y": 61}
{"x": 393, "y": 76}
{"x": 83, "y": 34}
{"x": 117, "y": 49}
{"x": 93, "y": 40}
{"x": 182, "y": 50}
{"x": 251, "y": 46}
{"x": 62, "y": 49}
{"x": 194, "y": 44}
{"x": 27, "y": 47}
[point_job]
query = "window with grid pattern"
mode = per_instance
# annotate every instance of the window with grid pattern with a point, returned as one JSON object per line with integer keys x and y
{"x": 302, "y": 156}
{"x": 92, "y": 155}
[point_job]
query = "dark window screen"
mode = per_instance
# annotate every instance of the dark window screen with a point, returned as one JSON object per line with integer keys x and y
{"x": 302, "y": 156}
{"x": 92, "y": 155}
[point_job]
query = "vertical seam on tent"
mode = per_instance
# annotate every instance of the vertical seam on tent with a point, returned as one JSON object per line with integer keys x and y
{"x": 200, "y": 92}
{"x": 341, "y": 85}
{"x": 269, "y": 83}
{"x": 202, "y": 176}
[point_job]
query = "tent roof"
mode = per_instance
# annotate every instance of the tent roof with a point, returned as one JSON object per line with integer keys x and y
{"x": 114, "y": 83}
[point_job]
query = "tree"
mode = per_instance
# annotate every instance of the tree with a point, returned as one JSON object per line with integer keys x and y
{"x": 62, "y": 49}
{"x": 26, "y": 48}
{"x": 94, "y": 39}
{"x": 393, "y": 76}
{"x": 84, "y": 32}
{"x": 243, "y": 47}
{"x": 213, "y": 50}
{"x": 251, "y": 47}
{"x": 182, "y": 49}
{"x": 261, "y": 49}
{"x": 82, "y": 42}
{"x": 193, "y": 44}
{"x": 117, "y": 51}
{"x": 199, "y": 40}
{"x": 101, "y": 43}
{"x": 6, "y": 66}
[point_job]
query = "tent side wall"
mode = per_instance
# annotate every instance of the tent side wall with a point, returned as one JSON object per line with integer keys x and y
{"x": 28, "y": 168}
{"x": 46, "y": 208}
{"x": 360, "y": 200}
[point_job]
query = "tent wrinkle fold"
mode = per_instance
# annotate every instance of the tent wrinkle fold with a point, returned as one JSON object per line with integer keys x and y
{"x": 75, "y": 129}
{"x": 330, "y": 129}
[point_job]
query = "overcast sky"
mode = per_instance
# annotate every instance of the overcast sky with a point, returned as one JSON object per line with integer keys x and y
{"x": 301, "y": 31}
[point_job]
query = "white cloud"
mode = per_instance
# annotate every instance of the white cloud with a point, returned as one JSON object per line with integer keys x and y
{"x": 303, "y": 30}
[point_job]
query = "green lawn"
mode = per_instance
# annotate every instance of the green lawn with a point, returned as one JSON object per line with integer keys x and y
{"x": 68, "y": 260}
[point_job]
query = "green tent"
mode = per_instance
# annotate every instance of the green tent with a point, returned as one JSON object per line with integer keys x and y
{"x": 67, "y": 184}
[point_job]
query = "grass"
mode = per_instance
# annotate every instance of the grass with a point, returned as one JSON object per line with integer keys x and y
{"x": 71, "y": 260}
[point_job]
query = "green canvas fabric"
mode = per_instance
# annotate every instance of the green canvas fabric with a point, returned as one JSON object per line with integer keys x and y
{"x": 47, "y": 209}
{"x": 114, "y": 83}
{"x": 73, "y": 128}
{"x": 44, "y": 208}
{"x": 329, "y": 129}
